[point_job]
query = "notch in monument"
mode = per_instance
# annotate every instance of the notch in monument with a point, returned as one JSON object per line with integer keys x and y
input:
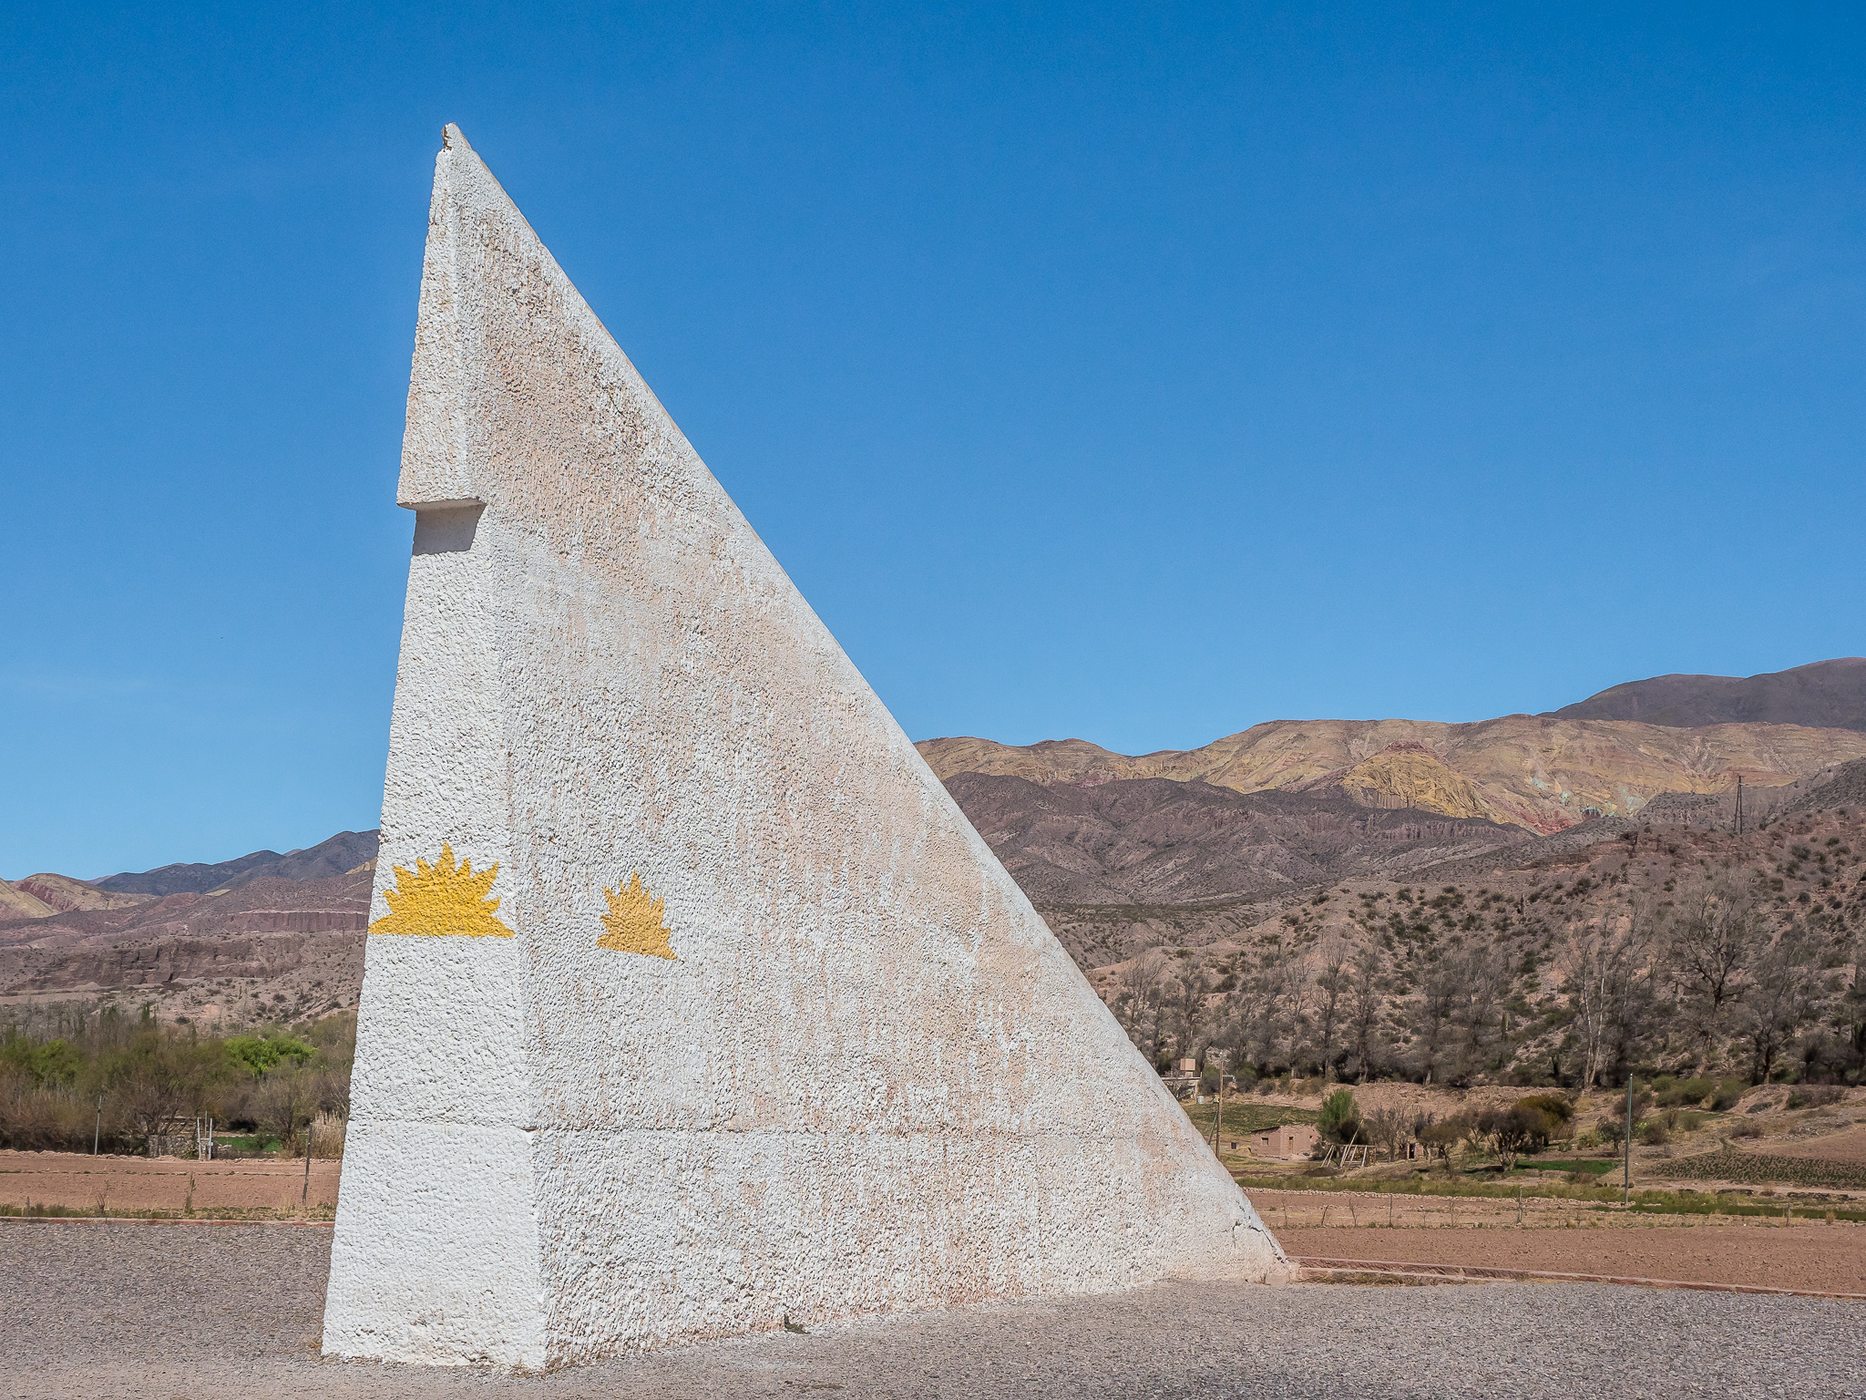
{"x": 446, "y": 527}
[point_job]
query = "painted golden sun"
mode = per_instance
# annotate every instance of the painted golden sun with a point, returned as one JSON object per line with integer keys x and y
{"x": 634, "y": 923}
{"x": 443, "y": 899}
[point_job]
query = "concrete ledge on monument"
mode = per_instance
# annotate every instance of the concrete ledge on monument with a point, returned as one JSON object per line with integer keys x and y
{"x": 446, "y": 527}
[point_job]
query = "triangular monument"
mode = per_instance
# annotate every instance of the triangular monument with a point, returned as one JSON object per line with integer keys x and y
{"x": 693, "y": 1005}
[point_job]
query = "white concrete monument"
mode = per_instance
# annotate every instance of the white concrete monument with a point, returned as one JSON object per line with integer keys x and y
{"x": 693, "y": 1004}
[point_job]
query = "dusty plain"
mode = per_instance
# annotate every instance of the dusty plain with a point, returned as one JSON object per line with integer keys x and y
{"x": 110, "y": 1185}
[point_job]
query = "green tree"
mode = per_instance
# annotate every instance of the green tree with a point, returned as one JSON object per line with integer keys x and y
{"x": 1340, "y": 1119}
{"x": 259, "y": 1055}
{"x": 1511, "y": 1132}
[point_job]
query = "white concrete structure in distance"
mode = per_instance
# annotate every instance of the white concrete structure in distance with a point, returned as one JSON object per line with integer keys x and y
{"x": 693, "y": 1003}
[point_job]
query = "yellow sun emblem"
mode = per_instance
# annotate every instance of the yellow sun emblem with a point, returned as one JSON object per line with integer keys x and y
{"x": 444, "y": 900}
{"x": 633, "y": 923}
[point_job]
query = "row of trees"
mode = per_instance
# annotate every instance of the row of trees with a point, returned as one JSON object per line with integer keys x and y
{"x": 72, "y": 1077}
{"x": 1505, "y": 1132}
{"x": 1699, "y": 975}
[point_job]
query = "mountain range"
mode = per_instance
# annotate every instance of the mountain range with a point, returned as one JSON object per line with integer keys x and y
{"x": 1608, "y": 755}
{"x": 1180, "y": 848}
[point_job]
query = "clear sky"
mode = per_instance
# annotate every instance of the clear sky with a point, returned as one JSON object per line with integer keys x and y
{"x": 1133, "y": 372}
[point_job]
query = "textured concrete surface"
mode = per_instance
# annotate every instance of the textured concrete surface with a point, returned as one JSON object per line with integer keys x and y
{"x": 159, "y": 1311}
{"x": 867, "y": 1079}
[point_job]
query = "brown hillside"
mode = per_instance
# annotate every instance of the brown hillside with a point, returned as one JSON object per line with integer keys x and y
{"x": 1824, "y": 695}
{"x": 331, "y": 857}
{"x": 17, "y": 903}
{"x": 1151, "y": 841}
{"x": 1539, "y": 773}
{"x": 61, "y": 894}
{"x": 268, "y": 948}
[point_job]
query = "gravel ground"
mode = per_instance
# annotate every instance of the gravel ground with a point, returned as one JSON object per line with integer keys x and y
{"x": 159, "y": 1311}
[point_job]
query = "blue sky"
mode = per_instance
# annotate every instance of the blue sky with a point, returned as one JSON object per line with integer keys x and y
{"x": 1131, "y": 372}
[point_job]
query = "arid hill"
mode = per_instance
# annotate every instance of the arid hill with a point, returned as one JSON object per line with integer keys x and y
{"x": 1536, "y": 772}
{"x": 336, "y": 855}
{"x": 1154, "y": 841}
{"x": 265, "y": 949}
{"x": 39, "y": 895}
{"x": 1824, "y": 695}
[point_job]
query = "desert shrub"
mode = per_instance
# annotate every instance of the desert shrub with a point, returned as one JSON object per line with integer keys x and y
{"x": 1727, "y": 1092}
{"x": 1514, "y": 1131}
{"x": 1339, "y": 1120}
{"x": 1746, "y": 1129}
{"x": 1815, "y": 1095}
{"x": 1680, "y": 1093}
{"x": 1557, "y": 1108}
{"x": 1654, "y": 1133}
{"x": 1441, "y": 1136}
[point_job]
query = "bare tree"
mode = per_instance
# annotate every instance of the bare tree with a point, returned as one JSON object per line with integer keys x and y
{"x": 1139, "y": 1002}
{"x": 1366, "y": 993}
{"x": 287, "y": 1100}
{"x": 1388, "y": 1129}
{"x": 1631, "y": 1008}
{"x": 1331, "y": 988}
{"x": 1777, "y": 1000}
{"x": 1432, "y": 1012}
{"x": 1598, "y": 966}
{"x": 1188, "y": 1004}
{"x": 1714, "y": 936}
{"x": 1267, "y": 1006}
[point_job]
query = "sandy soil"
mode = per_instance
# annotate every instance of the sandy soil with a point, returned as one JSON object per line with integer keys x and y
{"x": 1824, "y": 1258}
{"x": 1284, "y": 1210}
{"x": 1846, "y": 1146}
{"x": 1568, "y": 1237}
{"x": 123, "y": 1184}
{"x": 178, "y": 1310}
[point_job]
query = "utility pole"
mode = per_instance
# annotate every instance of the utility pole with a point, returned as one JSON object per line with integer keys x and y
{"x": 1739, "y": 806}
{"x": 97, "y": 1129}
{"x": 1626, "y": 1144}
{"x": 304, "y": 1195}
{"x": 1218, "y": 1119}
